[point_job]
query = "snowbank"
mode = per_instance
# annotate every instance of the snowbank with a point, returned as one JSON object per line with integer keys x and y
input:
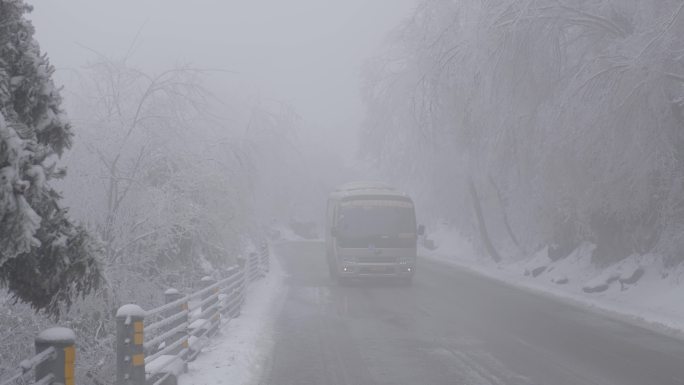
{"x": 239, "y": 351}
{"x": 287, "y": 234}
{"x": 639, "y": 288}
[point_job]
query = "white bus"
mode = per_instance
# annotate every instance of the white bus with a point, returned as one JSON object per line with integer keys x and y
{"x": 371, "y": 232}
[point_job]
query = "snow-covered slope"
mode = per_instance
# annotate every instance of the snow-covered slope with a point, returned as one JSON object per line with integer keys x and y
{"x": 641, "y": 288}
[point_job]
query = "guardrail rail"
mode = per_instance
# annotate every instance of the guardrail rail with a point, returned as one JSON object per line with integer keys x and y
{"x": 153, "y": 346}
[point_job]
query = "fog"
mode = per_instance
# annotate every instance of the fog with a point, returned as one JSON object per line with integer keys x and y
{"x": 351, "y": 192}
{"x": 304, "y": 52}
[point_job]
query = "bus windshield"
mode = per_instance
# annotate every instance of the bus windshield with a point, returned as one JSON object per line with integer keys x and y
{"x": 364, "y": 219}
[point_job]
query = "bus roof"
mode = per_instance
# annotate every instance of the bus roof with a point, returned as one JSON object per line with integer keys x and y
{"x": 364, "y": 185}
{"x": 372, "y": 190}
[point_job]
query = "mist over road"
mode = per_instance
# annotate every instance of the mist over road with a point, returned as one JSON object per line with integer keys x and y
{"x": 451, "y": 327}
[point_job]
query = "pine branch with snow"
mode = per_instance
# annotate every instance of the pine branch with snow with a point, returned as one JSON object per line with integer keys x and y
{"x": 45, "y": 259}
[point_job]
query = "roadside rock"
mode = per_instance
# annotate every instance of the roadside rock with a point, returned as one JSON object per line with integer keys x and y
{"x": 601, "y": 283}
{"x": 631, "y": 276}
{"x": 560, "y": 280}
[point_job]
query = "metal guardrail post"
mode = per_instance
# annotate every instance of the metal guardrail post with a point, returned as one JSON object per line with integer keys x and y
{"x": 172, "y": 295}
{"x": 238, "y": 291}
{"x": 241, "y": 261}
{"x": 61, "y": 364}
{"x": 252, "y": 266}
{"x": 130, "y": 356}
{"x": 243, "y": 291}
{"x": 265, "y": 258}
{"x": 214, "y": 316}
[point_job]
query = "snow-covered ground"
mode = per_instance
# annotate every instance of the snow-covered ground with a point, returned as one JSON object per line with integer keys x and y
{"x": 639, "y": 288}
{"x": 285, "y": 233}
{"x": 238, "y": 353}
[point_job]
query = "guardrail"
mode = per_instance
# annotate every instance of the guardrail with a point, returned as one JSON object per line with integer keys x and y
{"x": 153, "y": 346}
{"x": 53, "y": 362}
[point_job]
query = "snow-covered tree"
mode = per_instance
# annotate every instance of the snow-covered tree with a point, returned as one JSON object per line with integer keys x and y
{"x": 564, "y": 116}
{"x": 166, "y": 182}
{"x": 161, "y": 178}
{"x": 45, "y": 259}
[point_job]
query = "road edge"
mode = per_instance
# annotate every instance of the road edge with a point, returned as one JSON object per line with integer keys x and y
{"x": 565, "y": 298}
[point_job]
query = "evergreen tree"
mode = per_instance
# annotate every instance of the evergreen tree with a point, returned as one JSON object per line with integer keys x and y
{"x": 45, "y": 259}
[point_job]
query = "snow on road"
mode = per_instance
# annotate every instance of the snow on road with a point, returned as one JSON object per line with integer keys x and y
{"x": 639, "y": 289}
{"x": 238, "y": 353}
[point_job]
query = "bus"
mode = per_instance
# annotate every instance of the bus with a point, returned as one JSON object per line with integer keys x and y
{"x": 371, "y": 232}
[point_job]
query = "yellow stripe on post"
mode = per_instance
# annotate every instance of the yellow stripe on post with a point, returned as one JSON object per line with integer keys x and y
{"x": 138, "y": 326}
{"x": 138, "y": 359}
{"x": 69, "y": 361}
{"x": 138, "y": 339}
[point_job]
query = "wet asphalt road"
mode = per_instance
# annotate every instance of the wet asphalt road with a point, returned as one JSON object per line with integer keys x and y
{"x": 451, "y": 327}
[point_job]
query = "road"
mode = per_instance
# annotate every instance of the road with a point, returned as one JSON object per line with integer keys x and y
{"x": 451, "y": 327}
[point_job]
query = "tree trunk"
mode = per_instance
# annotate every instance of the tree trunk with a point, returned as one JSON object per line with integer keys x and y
{"x": 504, "y": 214}
{"x": 482, "y": 226}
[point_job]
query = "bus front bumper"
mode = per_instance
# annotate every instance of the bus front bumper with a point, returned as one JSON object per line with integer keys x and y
{"x": 359, "y": 269}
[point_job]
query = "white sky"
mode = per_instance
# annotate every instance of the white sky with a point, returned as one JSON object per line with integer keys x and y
{"x": 306, "y": 52}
